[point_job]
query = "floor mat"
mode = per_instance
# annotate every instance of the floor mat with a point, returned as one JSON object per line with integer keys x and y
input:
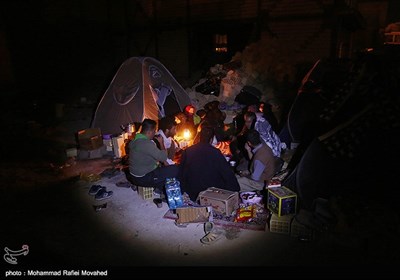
{"x": 257, "y": 223}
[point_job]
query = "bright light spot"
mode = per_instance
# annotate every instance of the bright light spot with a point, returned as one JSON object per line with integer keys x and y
{"x": 186, "y": 134}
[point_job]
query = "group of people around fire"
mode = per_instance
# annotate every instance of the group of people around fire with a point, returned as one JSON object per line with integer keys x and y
{"x": 218, "y": 156}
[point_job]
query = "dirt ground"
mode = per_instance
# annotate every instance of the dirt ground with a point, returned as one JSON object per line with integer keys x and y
{"x": 46, "y": 206}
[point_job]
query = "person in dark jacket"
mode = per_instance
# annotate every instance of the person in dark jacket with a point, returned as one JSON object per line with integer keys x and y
{"x": 203, "y": 166}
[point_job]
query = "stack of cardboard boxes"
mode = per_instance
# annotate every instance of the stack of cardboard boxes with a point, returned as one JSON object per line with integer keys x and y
{"x": 91, "y": 144}
{"x": 282, "y": 202}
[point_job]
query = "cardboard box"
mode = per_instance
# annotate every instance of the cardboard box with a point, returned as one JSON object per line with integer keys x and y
{"x": 118, "y": 146}
{"x": 91, "y": 154}
{"x": 194, "y": 214}
{"x": 282, "y": 201}
{"x": 90, "y": 139}
{"x": 222, "y": 201}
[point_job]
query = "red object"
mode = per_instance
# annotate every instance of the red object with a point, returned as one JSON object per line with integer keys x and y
{"x": 189, "y": 109}
{"x": 223, "y": 146}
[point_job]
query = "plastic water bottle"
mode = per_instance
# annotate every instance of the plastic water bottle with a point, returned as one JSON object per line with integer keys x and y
{"x": 174, "y": 195}
{"x": 178, "y": 194}
{"x": 168, "y": 190}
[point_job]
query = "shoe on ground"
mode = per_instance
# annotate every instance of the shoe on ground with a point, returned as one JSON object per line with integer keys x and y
{"x": 103, "y": 194}
{"x": 95, "y": 189}
{"x": 157, "y": 191}
{"x": 159, "y": 194}
{"x": 213, "y": 236}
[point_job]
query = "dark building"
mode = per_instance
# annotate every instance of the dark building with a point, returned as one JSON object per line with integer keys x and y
{"x": 53, "y": 45}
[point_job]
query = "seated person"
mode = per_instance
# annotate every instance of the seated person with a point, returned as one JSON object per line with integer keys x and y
{"x": 218, "y": 117}
{"x": 223, "y": 146}
{"x": 184, "y": 124}
{"x": 266, "y": 109}
{"x": 203, "y": 166}
{"x": 145, "y": 158}
{"x": 205, "y": 123}
{"x": 202, "y": 114}
{"x": 191, "y": 115}
{"x": 258, "y": 122}
{"x": 167, "y": 130}
{"x": 263, "y": 164}
{"x": 214, "y": 118}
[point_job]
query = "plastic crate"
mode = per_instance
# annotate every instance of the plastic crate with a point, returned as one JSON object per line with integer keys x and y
{"x": 299, "y": 230}
{"x": 280, "y": 224}
{"x": 145, "y": 193}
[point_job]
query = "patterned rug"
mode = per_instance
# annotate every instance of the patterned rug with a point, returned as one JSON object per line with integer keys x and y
{"x": 257, "y": 223}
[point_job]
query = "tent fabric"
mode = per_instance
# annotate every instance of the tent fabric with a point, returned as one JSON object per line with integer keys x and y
{"x": 140, "y": 89}
{"x": 160, "y": 95}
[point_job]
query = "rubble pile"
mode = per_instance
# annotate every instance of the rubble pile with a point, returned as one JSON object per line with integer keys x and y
{"x": 264, "y": 65}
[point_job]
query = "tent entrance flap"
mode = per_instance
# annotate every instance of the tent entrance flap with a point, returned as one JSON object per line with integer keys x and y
{"x": 160, "y": 94}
